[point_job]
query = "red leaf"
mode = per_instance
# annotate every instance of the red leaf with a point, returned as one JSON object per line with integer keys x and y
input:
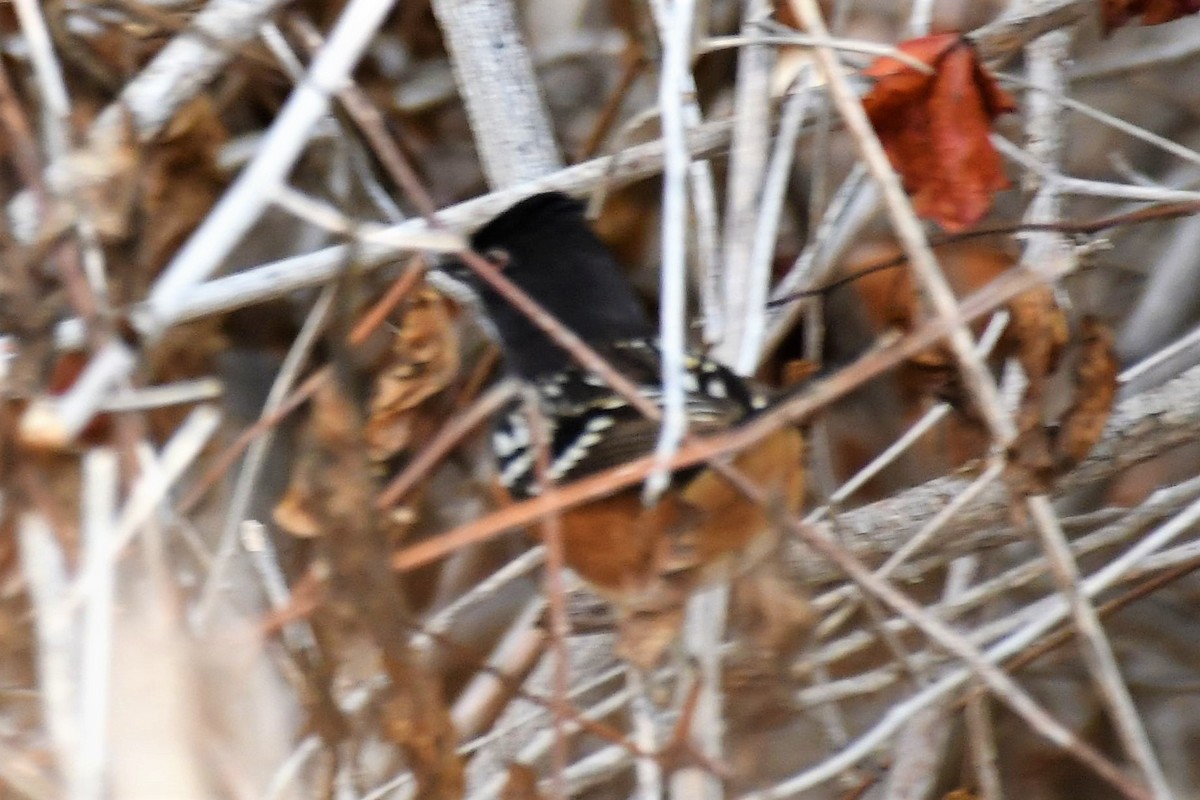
{"x": 935, "y": 128}
{"x": 1153, "y": 12}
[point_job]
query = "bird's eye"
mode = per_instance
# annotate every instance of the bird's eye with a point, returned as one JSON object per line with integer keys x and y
{"x": 498, "y": 257}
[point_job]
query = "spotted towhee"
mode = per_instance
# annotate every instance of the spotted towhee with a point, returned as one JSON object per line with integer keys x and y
{"x": 644, "y": 559}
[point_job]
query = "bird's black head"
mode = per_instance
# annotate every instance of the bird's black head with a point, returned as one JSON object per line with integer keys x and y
{"x": 544, "y": 245}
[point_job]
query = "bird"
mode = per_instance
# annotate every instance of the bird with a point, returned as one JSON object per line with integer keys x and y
{"x": 645, "y": 559}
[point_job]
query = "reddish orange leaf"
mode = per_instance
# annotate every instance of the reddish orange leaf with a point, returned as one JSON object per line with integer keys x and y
{"x": 935, "y": 128}
{"x": 1153, "y": 12}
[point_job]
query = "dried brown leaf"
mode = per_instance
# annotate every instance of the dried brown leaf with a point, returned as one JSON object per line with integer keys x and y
{"x": 771, "y": 611}
{"x": 643, "y": 637}
{"x": 180, "y": 182}
{"x": 935, "y": 127}
{"x": 1116, "y": 13}
{"x": 1042, "y": 453}
{"x": 1030, "y": 467}
{"x": 1095, "y": 391}
{"x": 294, "y": 512}
{"x": 1036, "y": 334}
{"x": 522, "y": 783}
{"x": 960, "y": 794}
{"x": 423, "y": 359}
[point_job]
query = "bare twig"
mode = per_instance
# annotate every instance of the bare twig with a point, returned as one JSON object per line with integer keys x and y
{"x": 979, "y": 664}
{"x": 703, "y": 196}
{"x": 256, "y": 454}
{"x": 677, "y": 28}
{"x": 157, "y": 478}
{"x": 554, "y": 591}
{"x": 495, "y": 76}
{"x": 1046, "y": 57}
{"x": 745, "y": 295}
{"x": 100, "y": 502}
{"x": 44, "y": 567}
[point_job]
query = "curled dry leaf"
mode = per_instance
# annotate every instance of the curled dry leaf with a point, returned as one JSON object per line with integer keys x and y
{"x": 323, "y": 495}
{"x": 643, "y": 637}
{"x": 772, "y": 612}
{"x": 935, "y": 127}
{"x": 1042, "y": 452}
{"x": 295, "y": 512}
{"x": 1030, "y": 469}
{"x": 181, "y": 180}
{"x": 1116, "y": 13}
{"x": 1036, "y": 334}
{"x": 522, "y": 783}
{"x": 423, "y": 358}
{"x": 891, "y": 300}
{"x": 1095, "y": 391}
{"x": 960, "y": 794}
{"x": 298, "y": 511}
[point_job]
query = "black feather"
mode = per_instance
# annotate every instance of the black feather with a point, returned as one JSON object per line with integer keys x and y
{"x": 551, "y": 253}
{"x": 592, "y": 429}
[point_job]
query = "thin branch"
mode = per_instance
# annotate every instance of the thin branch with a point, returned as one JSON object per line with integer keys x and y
{"x": 256, "y": 453}
{"x": 100, "y": 476}
{"x": 44, "y": 567}
{"x": 447, "y": 439}
{"x": 920, "y": 748}
{"x": 243, "y": 203}
{"x": 495, "y": 77}
{"x": 745, "y": 295}
{"x": 677, "y": 28}
{"x": 703, "y": 194}
{"x": 773, "y": 191}
{"x": 978, "y": 663}
{"x": 554, "y": 591}
{"x": 152, "y": 486}
{"x": 285, "y": 276}
{"x": 518, "y": 650}
{"x": 802, "y": 40}
{"x": 1046, "y": 128}
{"x": 1057, "y": 96}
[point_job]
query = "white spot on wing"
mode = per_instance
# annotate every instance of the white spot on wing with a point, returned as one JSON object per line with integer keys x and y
{"x": 520, "y": 430}
{"x": 503, "y": 445}
{"x": 575, "y": 453}
{"x": 515, "y": 469}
